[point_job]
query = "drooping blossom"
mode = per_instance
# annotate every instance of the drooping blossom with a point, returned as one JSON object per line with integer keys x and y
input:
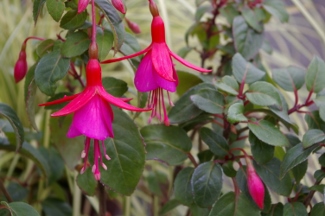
{"x": 119, "y": 5}
{"x": 255, "y": 185}
{"x": 92, "y": 115}
{"x": 20, "y": 69}
{"x": 156, "y": 72}
{"x": 82, "y": 5}
{"x": 133, "y": 26}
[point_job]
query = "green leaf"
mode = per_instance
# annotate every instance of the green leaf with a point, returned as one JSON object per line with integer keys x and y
{"x": 7, "y": 112}
{"x": 55, "y": 207}
{"x": 44, "y": 47}
{"x": 251, "y": 18}
{"x": 130, "y": 45}
{"x": 76, "y": 44}
{"x": 300, "y": 170}
{"x": 268, "y": 133}
{"x": 30, "y": 88}
{"x": 201, "y": 10}
{"x": 276, "y": 209}
{"x": 17, "y": 191}
{"x": 217, "y": 144}
{"x": 191, "y": 80}
{"x": 228, "y": 204}
{"x": 294, "y": 157}
{"x": 198, "y": 211}
{"x": 277, "y": 8}
{"x": 245, "y": 71}
{"x": 290, "y": 78}
{"x": 37, "y": 9}
{"x": 51, "y": 68}
{"x": 270, "y": 174}
{"x": 169, "y": 206}
{"x": 206, "y": 183}
{"x": 314, "y": 120}
{"x": 247, "y": 41}
{"x": 228, "y": 84}
{"x": 104, "y": 41}
{"x": 294, "y": 209}
{"x": 184, "y": 109}
{"x": 20, "y": 208}
{"x": 320, "y": 102}
{"x": 315, "y": 76}
{"x": 169, "y": 144}
{"x": 235, "y": 113}
{"x": 55, "y": 9}
{"x": 209, "y": 101}
{"x": 312, "y": 137}
{"x": 183, "y": 186}
{"x": 127, "y": 154}
{"x": 87, "y": 182}
{"x": 261, "y": 151}
{"x": 115, "y": 87}
{"x": 114, "y": 21}
{"x": 229, "y": 11}
{"x": 263, "y": 94}
{"x": 72, "y": 19}
{"x": 318, "y": 210}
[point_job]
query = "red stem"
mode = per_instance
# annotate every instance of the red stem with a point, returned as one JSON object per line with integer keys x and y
{"x": 93, "y": 19}
{"x": 192, "y": 159}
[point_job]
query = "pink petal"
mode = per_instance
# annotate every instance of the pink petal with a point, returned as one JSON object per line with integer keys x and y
{"x": 61, "y": 100}
{"x": 162, "y": 61}
{"x": 187, "y": 64}
{"x": 118, "y": 102}
{"x": 144, "y": 78}
{"x": 77, "y": 103}
{"x": 165, "y": 84}
{"x": 127, "y": 57}
{"x": 93, "y": 120}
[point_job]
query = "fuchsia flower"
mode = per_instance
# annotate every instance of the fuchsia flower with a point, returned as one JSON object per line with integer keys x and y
{"x": 255, "y": 186}
{"x": 133, "y": 26}
{"x": 119, "y": 5}
{"x": 82, "y": 5}
{"x": 20, "y": 69}
{"x": 156, "y": 71}
{"x": 92, "y": 115}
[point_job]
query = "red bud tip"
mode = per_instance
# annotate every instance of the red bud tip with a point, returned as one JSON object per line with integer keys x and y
{"x": 93, "y": 51}
{"x": 133, "y": 26}
{"x": 255, "y": 186}
{"x": 82, "y": 5}
{"x": 20, "y": 69}
{"x": 153, "y": 8}
{"x": 119, "y": 5}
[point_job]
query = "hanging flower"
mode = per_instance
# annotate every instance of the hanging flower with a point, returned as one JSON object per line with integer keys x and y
{"x": 255, "y": 185}
{"x": 156, "y": 71}
{"x": 82, "y": 5}
{"x": 119, "y": 5}
{"x": 21, "y": 67}
{"x": 92, "y": 115}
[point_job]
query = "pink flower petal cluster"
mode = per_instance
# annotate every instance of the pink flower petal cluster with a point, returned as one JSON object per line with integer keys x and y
{"x": 92, "y": 115}
{"x": 156, "y": 72}
{"x": 255, "y": 186}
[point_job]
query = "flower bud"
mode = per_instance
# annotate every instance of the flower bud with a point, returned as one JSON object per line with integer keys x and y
{"x": 255, "y": 186}
{"x": 82, "y": 5}
{"x": 153, "y": 8}
{"x": 20, "y": 66}
{"x": 133, "y": 26}
{"x": 119, "y": 5}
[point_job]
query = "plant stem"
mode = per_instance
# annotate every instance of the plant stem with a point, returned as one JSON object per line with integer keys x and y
{"x": 76, "y": 198}
{"x": 102, "y": 199}
{"x": 192, "y": 159}
{"x": 127, "y": 206}
{"x": 4, "y": 191}
{"x": 93, "y": 19}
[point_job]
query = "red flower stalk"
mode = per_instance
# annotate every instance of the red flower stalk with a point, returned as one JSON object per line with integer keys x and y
{"x": 255, "y": 185}
{"x": 119, "y": 5}
{"x": 133, "y": 26}
{"x": 156, "y": 71}
{"x": 92, "y": 115}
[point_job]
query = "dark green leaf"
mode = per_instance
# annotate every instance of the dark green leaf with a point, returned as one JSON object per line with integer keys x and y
{"x": 312, "y": 137}
{"x": 56, "y": 207}
{"x": 76, "y": 44}
{"x": 17, "y": 191}
{"x": 104, "y": 41}
{"x": 217, "y": 143}
{"x": 261, "y": 151}
{"x": 318, "y": 210}
{"x": 30, "y": 91}
{"x": 15, "y": 122}
{"x": 55, "y": 9}
{"x": 229, "y": 11}
{"x": 87, "y": 182}
{"x": 191, "y": 80}
{"x": 247, "y": 41}
{"x": 245, "y": 71}
{"x": 263, "y": 94}
{"x": 209, "y": 101}
{"x": 228, "y": 204}
{"x": 169, "y": 206}
{"x": 270, "y": 174}
{"x": 56, "y": 164}
{"x": 44, "y": 47}
{"x": 290, "y": 79}
{"x": 295, "y": 156}
{"x": 228, "y": 84}
{"x": 300, "y": 170}
{"x": 315, "y": 76}
{"x": 198, "y": 211}
{"x": 276, "y": 8}
{"x": 183, "y": 186}
{"x": 72, "y": 19}
{"x": 206, "y": 183}
{"x": 235, "y": 113}
{"x": 276, "y": 210}
{"x": 37, "y": 8}
{"x": 294, "y": 209}
{"x": 268, "y": 133}
{"x": 115, "y": 87}
{"x": 314, "y": 121}
{"x": 51, "y": 68}
{"x": 169, "y": 144}
{"x": 320, "y": 102}
{"x": 20, "y": 209}
{"x": 127, "y": 156}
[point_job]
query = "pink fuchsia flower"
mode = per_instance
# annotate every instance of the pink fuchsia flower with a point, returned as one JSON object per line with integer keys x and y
{"x": 156, "y": 71}
{"x": 119, "y": 5}
{"x": 255, "y": 186}
{"x": 82, "y": 5}
{"x": 92, "y": 115}
{"x": 21, "y": 67}
{"x": 133, "y": 26}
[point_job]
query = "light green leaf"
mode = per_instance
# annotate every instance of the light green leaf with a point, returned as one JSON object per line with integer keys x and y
{"x": 252, "y": 19}
{"x": 235, "y": 113}
{"x": 209, "y": 101}
{"x": 294, "y": 209}
{"x": 290, "y": 79}
{"x": 312, "y": 137}
{"x": 315, "y": 77}
{"x": 217, "y": 144}
{"x": 263, "y": 94}
{"x": 76, "y": 44}
{"x": 277, "y": 8}
{"x": 55, "y": 8}
{"x": 72, "y": 19}
{"x": 37, "y": 9}
{"x": 20, "y": 209}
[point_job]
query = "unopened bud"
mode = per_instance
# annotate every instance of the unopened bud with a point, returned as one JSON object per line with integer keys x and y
{"x": 93, "y": 51}
{"x": 133, "y": 26}
{"x": 153, "y": 8}
{"x": 255, "y": 186}
{"x": 20, "y": 69}
{"x": 82, "y": 5}
{"x": 119, "y": 5}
